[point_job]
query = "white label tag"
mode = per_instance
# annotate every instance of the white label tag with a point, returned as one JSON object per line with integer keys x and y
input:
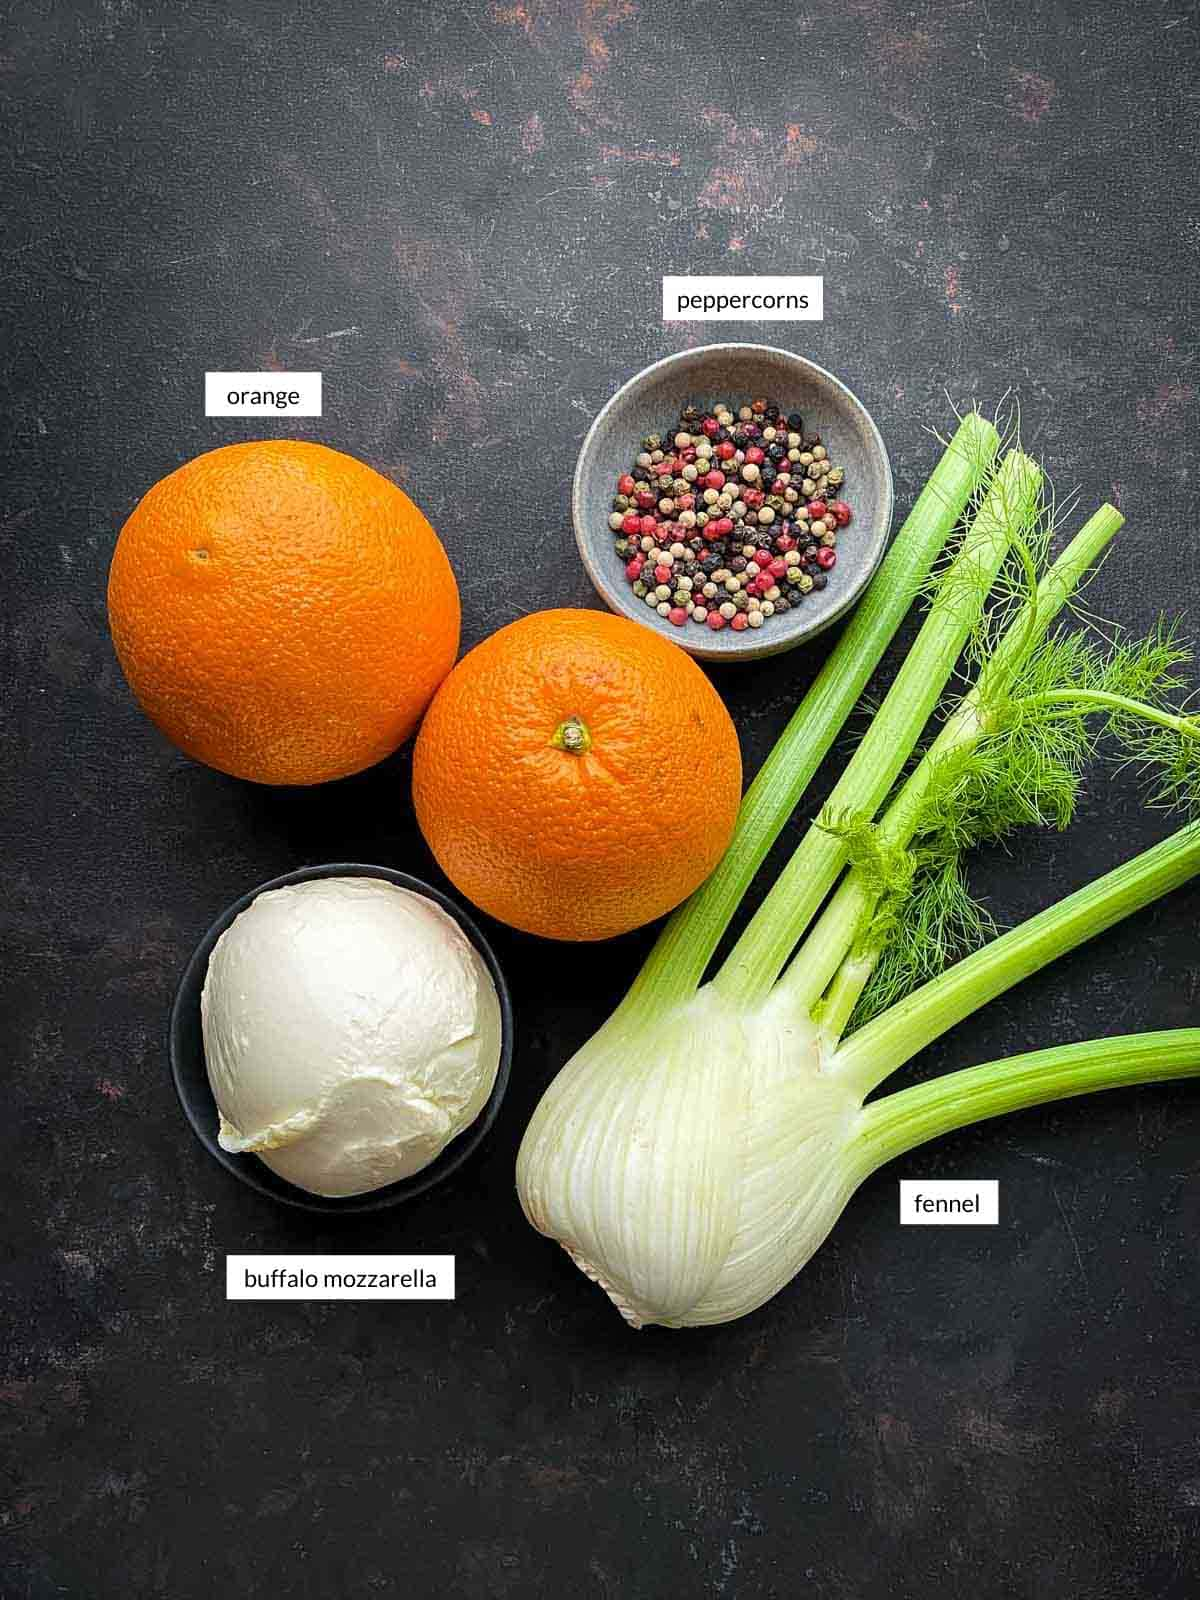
{"x": 950, "y": 1202}
{"x": 743, "y": 299}
{"x": 262, "y": 394}
{"x": 339, "y": 1277}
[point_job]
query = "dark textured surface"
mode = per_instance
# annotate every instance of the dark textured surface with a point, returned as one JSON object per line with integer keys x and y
{"x": 461, "y": 214}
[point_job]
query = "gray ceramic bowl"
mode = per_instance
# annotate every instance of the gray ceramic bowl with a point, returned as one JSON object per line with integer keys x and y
{"x": 652, "y": 401}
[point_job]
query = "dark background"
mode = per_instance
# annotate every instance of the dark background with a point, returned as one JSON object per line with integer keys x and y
{"x": 461, "y": 214}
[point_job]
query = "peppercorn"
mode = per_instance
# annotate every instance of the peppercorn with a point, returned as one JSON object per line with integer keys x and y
{"x": 723, "y": 480}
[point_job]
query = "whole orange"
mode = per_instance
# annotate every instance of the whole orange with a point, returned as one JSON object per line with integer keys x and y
{"x": 282, "y": 611}
{"x": 577, "y": 775}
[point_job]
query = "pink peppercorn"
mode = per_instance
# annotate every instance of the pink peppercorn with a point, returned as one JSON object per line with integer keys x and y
{"x": 625, "y": 483}
{"x": 841, "y": 513}
{"x": 715, "y": 479}
{"x": 710, "y": 427}
{"x": 755, "y": 456}
{"x": 739, "y": 622}
{"x": 662, "y": 573}
{"x": 826, "y": 557}
{"x": 816, "y": 508}
{"x": 753, "y": 497}
{"x": 631, "y": 524}
{"x": 684, "y": 502}
{"x": 764, "y": 558}
{"x": 722, "y": 527}
{"x": 647, "y": 524}
{"x": 677, "y": 615}
{"x": 785, "y": 542}
{"x": 715, "y": 621}
{"x": 778, "y": 567}
{"x": 645, "y": 500}
{"x": 726, "y": 450}
{"x": 633, "y": 569}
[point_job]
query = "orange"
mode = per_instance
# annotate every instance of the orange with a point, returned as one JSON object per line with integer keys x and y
{"x": 282, "y": 611}
{"x": 577, "y": 775}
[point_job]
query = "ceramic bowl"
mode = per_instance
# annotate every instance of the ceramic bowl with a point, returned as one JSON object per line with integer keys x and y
{"x": 652, "y": 401}
{"x": 196, "y": 1098}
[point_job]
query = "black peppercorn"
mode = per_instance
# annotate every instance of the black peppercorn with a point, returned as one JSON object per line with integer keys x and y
{"x": 795, "y": 422}
{"x": 819, "y": 580}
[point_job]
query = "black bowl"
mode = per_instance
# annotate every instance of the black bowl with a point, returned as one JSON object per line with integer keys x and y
{"x": 191, "y": 1075}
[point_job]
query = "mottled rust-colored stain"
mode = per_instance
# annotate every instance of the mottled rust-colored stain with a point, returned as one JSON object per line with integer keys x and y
{"x": 1169, "y": 403}
{"x": 1032, "y": 95}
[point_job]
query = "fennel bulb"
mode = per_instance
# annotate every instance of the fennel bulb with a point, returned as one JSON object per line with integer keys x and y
{"x": 691, "y": 1169}
{"x": 696, "y": 1152}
